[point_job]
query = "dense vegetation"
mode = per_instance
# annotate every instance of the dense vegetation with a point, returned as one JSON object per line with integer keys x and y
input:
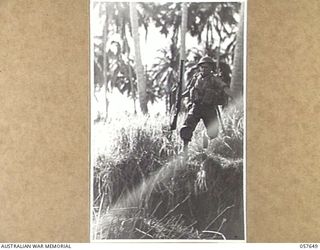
{"x": 142, "y": 186}
{"x": 144, "y": 190}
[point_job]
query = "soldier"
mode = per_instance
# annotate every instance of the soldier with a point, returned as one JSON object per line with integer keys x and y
{"x": 205, "y": 91}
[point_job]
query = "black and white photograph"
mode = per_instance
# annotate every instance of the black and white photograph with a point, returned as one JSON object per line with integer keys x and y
{"x": 168, "y": 121}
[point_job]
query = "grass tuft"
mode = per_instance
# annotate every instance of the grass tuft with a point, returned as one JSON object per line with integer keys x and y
{"x": 143, "y": 189}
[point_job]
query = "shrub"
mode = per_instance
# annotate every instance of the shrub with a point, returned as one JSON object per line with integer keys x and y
{"x": 142, "y": 189}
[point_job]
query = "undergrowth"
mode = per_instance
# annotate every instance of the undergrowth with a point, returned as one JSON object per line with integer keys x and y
{"x": 143, "y": 189}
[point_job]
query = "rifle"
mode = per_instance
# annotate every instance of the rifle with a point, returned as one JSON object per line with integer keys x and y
{"x": 173, "y": 121}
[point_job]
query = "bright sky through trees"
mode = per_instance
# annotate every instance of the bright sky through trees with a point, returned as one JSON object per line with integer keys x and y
{"x": 119, "y": 103}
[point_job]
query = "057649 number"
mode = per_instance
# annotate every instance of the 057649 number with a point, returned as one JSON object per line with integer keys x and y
{"x": 308, "y": 246}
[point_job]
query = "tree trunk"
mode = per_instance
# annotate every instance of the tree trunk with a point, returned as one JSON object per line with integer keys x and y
{"x": 237, "y": 72}
{"x": 138, "y": 63}
{"x": 184, "y": 29}
{"x": 184, "y": 22}
{"x": 104, "y": 64}
{"x": 131, "y": 80}
{"x": 132, "y": 88}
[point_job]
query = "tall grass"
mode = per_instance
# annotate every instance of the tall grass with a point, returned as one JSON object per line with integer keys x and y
{"x": 143, "y": 189}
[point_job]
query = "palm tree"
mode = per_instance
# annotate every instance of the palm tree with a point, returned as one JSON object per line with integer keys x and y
{"x": 138, "y": 62}
{"x": 237, "y": 72}
{"x": 201, "y": 18}
{"x": 113, "y": 65}
{"x": 215, "y": 24}
{"x": 184, "y": 23}
{"x": 165, "y": 71}
{"x": 105, "y": 63}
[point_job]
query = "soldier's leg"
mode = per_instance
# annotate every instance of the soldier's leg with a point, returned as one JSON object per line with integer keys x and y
{"x": 211, "y": 122}
{"x": 189, "y": 125}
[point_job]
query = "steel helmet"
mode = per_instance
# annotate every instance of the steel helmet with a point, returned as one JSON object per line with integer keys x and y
{"x": 205, "y": 59}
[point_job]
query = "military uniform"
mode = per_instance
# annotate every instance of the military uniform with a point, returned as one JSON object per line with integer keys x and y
{"x": 205, "y": 93}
